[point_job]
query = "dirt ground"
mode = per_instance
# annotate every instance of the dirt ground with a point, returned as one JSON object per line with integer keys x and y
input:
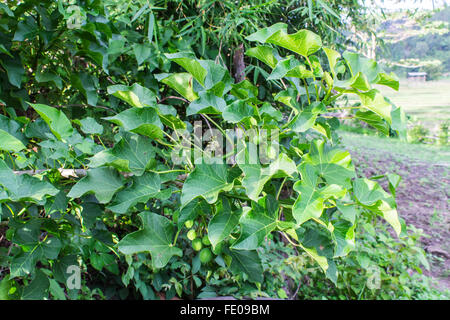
{"x": 422, "y": 198}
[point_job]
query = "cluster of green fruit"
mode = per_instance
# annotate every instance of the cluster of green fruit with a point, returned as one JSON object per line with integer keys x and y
{"x": 201, "y": 244}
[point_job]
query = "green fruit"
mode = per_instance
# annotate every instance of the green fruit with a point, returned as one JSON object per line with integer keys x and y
{"x": 191, "y": 234}
{"x": 205, "y": 255}
{"x": 205, "y": 240}
{"x": 197, "y": 244}
{"x": 189, "y": 224}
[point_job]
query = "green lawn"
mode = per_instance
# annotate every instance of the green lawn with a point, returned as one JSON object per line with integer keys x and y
{"x": 428, "y": 101}
{"x": 401, "y": 150}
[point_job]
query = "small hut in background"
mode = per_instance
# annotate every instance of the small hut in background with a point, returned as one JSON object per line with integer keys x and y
{"x": 417, "y": 76}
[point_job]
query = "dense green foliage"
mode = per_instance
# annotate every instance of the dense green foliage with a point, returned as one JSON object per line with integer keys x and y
{"x": 380, "y": 268}
{"x": 94, "y": 100}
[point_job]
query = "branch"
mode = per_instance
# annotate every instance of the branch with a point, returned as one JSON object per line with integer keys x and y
{"x": 77, "y": 173}
{"x": 66, "y": 173}
{"x": 83, "y": 106}
{"x": 239, "y": 64}
{"x": 173, "y": 97}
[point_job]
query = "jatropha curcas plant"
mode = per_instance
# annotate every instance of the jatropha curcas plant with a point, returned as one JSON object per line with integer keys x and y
{"x": 235, "y": 169}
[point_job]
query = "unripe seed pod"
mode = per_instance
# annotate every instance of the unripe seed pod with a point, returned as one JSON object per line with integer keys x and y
{"x": 191, "y": 234}
{"x": 188, "y": 224}
{"x": 205, "y": 240}
{"x": 197, "y": 244}
{"x": 205, "y": 255}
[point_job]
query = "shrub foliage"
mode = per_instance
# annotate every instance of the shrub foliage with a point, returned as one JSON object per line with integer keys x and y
{"x": 92, "y": 114}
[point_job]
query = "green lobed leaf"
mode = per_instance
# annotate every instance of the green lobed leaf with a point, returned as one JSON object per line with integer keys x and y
{"x": 248, "y": 262}
{"x": 143, "y": 188}
{"x": 207, "y": 103}
{"x": 218, "y": 80}
{"x": 307, "y": 117}
{"x": 372, "y": 196}
{"x": 57, "y": 121}
{"x": 256, "y": 176}
{"x": 135, "y": 95}
{"x": 5, "y": 287}
{"x": 38, "y": 287}
{"x": 142, "y": 51}
{"x": 263, "y": 34}
{"x": 267, "y": 109}
{"x": 133, "y": 153}
{"x": 14, "y": 70}
{"x": 394, "y": 180}
{"x": 283, "y": 67}
{"x": 332, "y": 164}
{"x": 349, "y": 211}
{"x": 206, "y": 181}
{"x": 257, "y": 223}
{"x": 245, "y": 90}
{"x": 374, "y": 101}
{"x": 288, "y": 98}
{"x": 264, "y": 54}
{"x": 359, "y": 81}
{"x": 144, "y": 121}
{"x": 389, "y": 80}
{"x": 311, "y": 200}
{"x": 303, "y": 42}
{"x": 13, "y": 128}
{"x": 344, "y": 237}
{"x": 332, "y": 56}
{"x": 320, "y": 248}
{"x": 371, "y": 70}
{"x": 24, "y": 263}
{"x": 399, "y": 122}
{"x": 156, "y": 237}
{"x": 189, "y": 62}
{"x": 48, "y": 77}
{"x": 181, "y": 83}
{"x": 90, "y": 126}
{"x": 358, "y": 63}
{"x": 237, "y": 111}
{"x": 9, "y": 142}
{"x": 223, "y": 222}
{"x": 24, "y": 187}
{"x": 88, "y": 85}
{"x": 374, "y": 120}
{"x": 103, "y": 182}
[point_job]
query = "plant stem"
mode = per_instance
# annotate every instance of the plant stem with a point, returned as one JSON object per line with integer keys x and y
{"x": 176, "y": 237}
{"x": 307, "y": 92}
{"x": 281, "y": 187}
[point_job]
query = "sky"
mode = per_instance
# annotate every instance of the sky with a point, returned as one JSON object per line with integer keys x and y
{"x": 411, "y": 4}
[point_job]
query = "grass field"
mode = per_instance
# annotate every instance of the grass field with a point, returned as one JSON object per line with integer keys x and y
{"x": 428, "y": 101}
{"x": 401, "y": 150}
